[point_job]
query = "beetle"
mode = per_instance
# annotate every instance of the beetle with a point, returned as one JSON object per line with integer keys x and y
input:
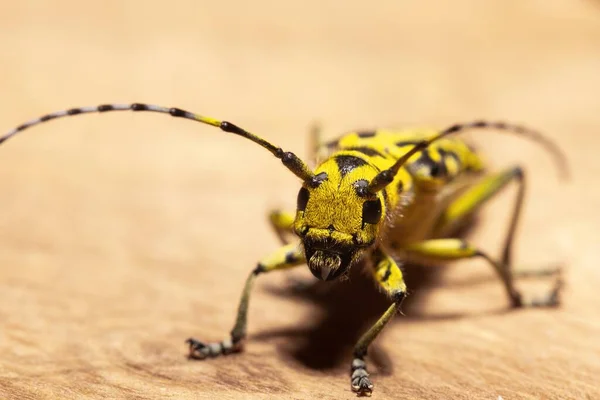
{"x": 378, "y": 198}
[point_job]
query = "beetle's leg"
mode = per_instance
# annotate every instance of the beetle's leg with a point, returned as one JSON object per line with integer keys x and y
{"x": 285, "y": 257}
{"x": 282, "y": 223}
{"x": 549, "y": 270}
{"x": 475, "y": 197}
{"x": 388, "y": 275}
{"x": 472, "y": 199}
{"x": 456, "y": 249}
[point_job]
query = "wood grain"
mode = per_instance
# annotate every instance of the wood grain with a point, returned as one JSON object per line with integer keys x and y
{"x": 122, "y": 235}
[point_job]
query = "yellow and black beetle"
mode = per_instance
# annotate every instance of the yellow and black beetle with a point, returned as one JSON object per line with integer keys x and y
{"x": 382, "y": 197}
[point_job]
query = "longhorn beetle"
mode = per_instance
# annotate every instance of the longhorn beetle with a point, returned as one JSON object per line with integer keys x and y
{"x": 383, "y": 197}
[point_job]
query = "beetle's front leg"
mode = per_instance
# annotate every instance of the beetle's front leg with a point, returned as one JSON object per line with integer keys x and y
{"x": 389, "y": 276}
{"x": 283, "y": 224}
{"x": 285, "y": 257}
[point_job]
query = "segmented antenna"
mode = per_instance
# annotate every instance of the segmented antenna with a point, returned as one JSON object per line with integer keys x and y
{"x": 385, "y": 177}
{"x": 559, "y": 156}
{"x": 290, "y": 160}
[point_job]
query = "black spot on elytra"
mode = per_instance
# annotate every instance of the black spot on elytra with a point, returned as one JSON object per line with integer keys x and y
{"x": 445, "y": 153}
{"x": 367, "y": 151}
{"x": 449, "y": 154}
{"x": 403, "y": 143}
{"x": 436, "y": 169}
{"x": 366, "y": 134}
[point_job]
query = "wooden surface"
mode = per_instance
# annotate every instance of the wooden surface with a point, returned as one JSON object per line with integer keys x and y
{"x": 123, "y": 234}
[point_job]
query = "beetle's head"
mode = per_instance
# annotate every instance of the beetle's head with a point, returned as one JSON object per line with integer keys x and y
{"x": 337, "y": 218}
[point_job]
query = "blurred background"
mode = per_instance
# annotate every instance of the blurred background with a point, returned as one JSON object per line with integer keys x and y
{"x": 124, "y": 234}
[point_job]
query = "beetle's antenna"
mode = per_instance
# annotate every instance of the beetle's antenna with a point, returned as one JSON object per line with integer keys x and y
{"x": 385, "y": 177}
{"x": 290, "y": 160}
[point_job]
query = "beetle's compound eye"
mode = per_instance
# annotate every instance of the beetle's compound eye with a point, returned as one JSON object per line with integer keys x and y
{"x": 371, "y": 213}
{"x": 302, "y": 199}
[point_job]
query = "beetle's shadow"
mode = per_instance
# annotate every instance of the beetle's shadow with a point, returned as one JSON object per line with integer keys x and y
{"x": 343, "y": 312}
